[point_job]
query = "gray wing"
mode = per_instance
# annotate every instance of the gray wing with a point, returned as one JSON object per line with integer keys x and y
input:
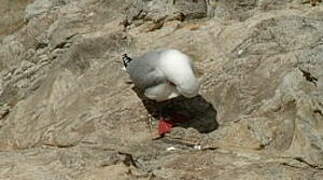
{"x": 144, "y": 72}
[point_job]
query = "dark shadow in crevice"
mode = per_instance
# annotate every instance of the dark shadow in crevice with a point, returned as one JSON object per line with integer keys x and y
{"x": 200, "y": 113}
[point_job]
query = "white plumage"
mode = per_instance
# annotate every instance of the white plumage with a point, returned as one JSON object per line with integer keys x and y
{"x": 163, "y": 74}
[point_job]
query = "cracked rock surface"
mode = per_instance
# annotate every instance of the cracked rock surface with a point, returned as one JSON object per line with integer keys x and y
{"x": 68, "y": 111}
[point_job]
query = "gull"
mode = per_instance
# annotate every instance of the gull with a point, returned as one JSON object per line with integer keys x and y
{"x": 163, "y": 75}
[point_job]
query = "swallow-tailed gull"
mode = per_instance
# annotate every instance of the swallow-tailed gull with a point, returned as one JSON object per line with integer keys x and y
{"x": 163, "y": 75}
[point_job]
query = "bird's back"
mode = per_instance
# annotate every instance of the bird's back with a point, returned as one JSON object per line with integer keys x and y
{"x": 164, "y": 66}
{"x": 144, "y": 72}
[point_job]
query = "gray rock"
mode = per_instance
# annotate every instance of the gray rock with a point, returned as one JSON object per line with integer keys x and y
{"x": 39, "y": 7}
{"x": 68, "y": 111}
{"x": 159, "y": 11}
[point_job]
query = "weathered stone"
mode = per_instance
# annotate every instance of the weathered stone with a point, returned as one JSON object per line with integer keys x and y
{"x": 68, "y": 111}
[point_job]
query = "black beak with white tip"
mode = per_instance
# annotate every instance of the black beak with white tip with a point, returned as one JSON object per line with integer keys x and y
{"x": 126, "y": 60}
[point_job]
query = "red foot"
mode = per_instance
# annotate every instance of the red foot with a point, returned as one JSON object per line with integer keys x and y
{"x": 165, "y": 126}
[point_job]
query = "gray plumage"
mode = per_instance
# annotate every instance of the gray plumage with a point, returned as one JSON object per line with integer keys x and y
{"x": 163, "y": 74}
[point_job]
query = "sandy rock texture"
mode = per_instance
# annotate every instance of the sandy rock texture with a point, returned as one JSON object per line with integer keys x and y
{"x": 68, "y": 111}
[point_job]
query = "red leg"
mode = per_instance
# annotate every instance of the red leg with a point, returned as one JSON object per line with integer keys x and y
{"x": 166, "y": 125}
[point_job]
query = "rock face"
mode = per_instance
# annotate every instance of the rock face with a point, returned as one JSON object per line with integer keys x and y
{"x": 67, "y": 110}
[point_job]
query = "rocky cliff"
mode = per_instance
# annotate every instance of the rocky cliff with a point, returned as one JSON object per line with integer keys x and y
{"x": 68, "y": 111}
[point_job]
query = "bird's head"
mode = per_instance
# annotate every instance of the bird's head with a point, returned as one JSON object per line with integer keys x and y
{"x": 126, "y": 60}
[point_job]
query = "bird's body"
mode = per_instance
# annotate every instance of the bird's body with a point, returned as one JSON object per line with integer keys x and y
{"x": 164, "y": 74}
